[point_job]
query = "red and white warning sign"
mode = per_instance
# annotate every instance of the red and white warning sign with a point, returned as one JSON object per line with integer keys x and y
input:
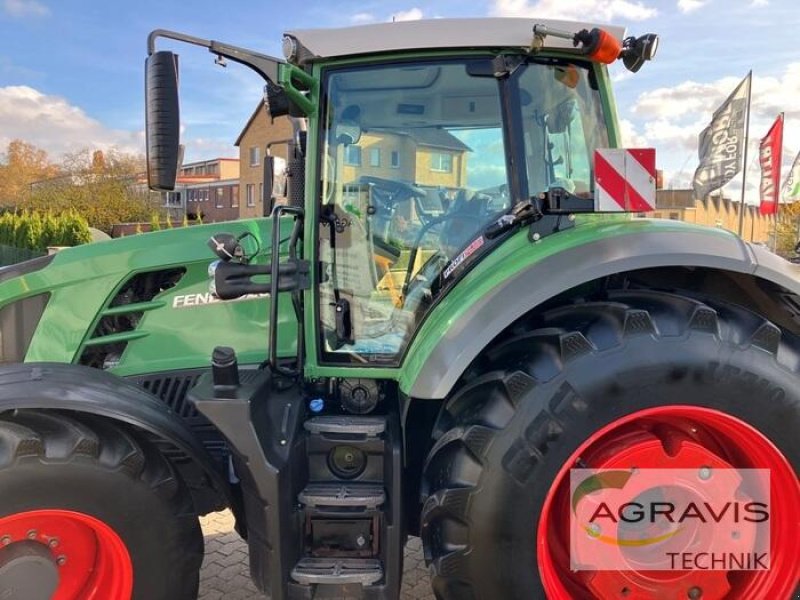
{"x": 625, "y": 179}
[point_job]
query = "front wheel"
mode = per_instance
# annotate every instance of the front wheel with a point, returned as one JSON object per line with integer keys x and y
{"x": 641, "y": 380}
{"x": 89, "y": 512}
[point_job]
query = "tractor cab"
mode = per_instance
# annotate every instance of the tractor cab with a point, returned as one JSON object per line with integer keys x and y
{"x": 415, "y": 167}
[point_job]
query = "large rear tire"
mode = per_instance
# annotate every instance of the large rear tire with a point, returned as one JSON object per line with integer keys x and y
{"x": 540, "y": 402}
{"x": 105, "y": 508}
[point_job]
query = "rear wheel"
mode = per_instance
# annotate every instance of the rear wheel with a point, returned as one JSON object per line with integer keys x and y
{"x": 89, "y": 512}
{"x": 641, "y": 379}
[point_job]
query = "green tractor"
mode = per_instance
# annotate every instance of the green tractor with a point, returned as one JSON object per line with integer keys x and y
{"x": 425, "y": 339}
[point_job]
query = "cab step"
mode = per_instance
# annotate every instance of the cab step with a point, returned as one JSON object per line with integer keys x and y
{"x": 337, "y": 571}
{"x": 346, "y": 424}
{"x": 357, "y": 495}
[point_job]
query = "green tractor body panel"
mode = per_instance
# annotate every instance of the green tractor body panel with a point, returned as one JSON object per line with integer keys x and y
{"x": 521, "y": 275}
{"x": 174, "y": 330}
{"x": 517, "y": 255}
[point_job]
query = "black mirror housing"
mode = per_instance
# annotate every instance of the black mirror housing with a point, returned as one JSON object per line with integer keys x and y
{"x": 637, "y": 51}
{"x": 162, "y": 120}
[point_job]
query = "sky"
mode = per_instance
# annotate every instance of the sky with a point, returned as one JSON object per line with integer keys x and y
{"x": 71, "y": 71}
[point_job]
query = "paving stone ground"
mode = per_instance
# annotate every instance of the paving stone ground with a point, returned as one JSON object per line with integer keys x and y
{"x": 226, "y": 574}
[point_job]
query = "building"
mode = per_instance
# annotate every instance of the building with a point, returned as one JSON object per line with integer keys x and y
{"x": 715, "y": 211}
{"x": 259, "y": 131}
{"x": 207, "y": 190}
{"x": 427, "y": 157}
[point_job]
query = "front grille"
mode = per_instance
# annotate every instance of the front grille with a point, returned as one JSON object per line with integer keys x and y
{"x": 172, "y": 389}
{"x": 118, "y": 322}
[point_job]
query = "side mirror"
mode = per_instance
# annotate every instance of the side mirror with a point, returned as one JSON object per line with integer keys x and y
{"x": 347, "y": 133}
{"x": 162, "y": 120}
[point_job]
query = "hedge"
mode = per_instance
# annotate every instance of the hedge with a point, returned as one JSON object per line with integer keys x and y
{"x": 38, "y": 231}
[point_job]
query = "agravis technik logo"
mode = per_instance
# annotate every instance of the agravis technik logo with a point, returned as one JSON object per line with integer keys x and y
{"x": 669, "y": 519}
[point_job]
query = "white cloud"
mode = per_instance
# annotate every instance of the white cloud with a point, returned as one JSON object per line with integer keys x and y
{"x": 687, "y": 6}
{"x": 630, "y": 138}
{"x": 55, "y": 125}
{"x": 413, "y": 14}
{"x": 602, "y": 10}
{"x": 670, "y": 119}
{"x": 25, "y": 8}
{"x": 671, "y": 114}
{"x": 362, "y": 17}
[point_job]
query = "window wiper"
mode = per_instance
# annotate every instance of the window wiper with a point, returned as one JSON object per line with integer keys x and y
{"x": 555, "y": 201}
{"x": 519, "y": 214}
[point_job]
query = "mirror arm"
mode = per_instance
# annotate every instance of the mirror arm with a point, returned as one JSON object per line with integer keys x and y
{"x": 264, "y": 65}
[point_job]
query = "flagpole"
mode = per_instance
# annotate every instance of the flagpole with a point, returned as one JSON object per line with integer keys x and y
{"x": 744, "y": 160}
{"x": 778, "y": 194}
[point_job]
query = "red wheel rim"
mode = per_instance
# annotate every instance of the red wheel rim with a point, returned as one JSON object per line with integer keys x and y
{"x": 93, "y": 562}
{"x": 712, "y": 436}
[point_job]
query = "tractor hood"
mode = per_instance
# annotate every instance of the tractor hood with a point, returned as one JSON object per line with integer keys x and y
{"x": 134, "y": 305}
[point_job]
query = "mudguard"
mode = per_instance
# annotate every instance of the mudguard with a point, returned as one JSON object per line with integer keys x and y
{"x": 85, "y": 390}
{"x": 493, "y": 296}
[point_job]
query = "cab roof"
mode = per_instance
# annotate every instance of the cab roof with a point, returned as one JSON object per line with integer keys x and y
{"x": 433, "y": 34}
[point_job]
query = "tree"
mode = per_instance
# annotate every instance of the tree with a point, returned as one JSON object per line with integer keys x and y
{"x": 20, "y": 165}
{"x": 788, "y": 228}
{"x": 102, "y": 186}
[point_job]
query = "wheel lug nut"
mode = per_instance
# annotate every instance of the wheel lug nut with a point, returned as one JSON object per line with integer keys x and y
{"x": 705, "y": 475}
{"x": 32, "y": 534}
{"x": 695, "y": 593}
{"x": 5, "y": 540}
{"x": 53, "y": 542}
{"x": 62, "y": 560}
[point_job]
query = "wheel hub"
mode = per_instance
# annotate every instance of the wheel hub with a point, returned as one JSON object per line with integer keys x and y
{"x": 705, "y": 448}
{"x": 27, "y": 572}
{"x": 62, "y": 555}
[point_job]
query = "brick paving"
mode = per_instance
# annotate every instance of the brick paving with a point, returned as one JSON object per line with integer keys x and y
{"x": 226, "y": 574}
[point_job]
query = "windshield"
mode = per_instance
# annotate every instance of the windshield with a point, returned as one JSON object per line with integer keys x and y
{"x": 415, "y": 167}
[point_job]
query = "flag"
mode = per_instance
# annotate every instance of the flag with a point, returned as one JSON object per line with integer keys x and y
{"x": 770, "y": 156}
{"x": 791, "y": 187}
{"x": 721, "y": 144}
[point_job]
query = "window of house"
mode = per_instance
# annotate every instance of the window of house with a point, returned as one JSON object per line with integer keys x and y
{"x": 352, "y": 155}
{"x": 235, "y": 196}
{"x": 261, "y": 192}
{"x": 220, "y": 197}
{"x": 674, "y": 216}
{"x": 395, "y": 159}
{"x": 375, "y": 157}
{"x": 254, "y": 156}
{"x": 351, "y": 194}
{"x": 172, "y": 198}
{"x": 442, "y": 162}
{"x": 199, "y": 170}
{"x": 212, "y": 169}
{"x": 205, "y": 195}
{"x": 250, "y": 192}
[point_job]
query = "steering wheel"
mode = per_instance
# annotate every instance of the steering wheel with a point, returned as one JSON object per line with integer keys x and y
{"x": 388, "y": 193}
{"x": 455, "y": 241}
